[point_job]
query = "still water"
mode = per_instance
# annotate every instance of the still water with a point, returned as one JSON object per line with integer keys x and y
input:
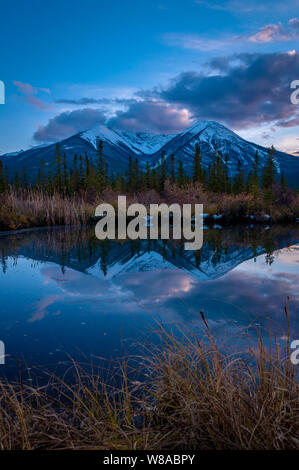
{"x": 62, "y": 291}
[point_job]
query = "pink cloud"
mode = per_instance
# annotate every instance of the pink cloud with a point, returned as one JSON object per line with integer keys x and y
{"x": 277, "y": 32}
{"x": 30, "y": 91}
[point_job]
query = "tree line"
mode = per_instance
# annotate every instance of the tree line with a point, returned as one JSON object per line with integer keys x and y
{"x": 93, "y": 175}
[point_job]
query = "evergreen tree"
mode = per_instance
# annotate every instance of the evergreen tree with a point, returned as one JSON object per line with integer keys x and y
{"x": 253, "y": 178}
{"x": 147, "y": 176}
{"x": 129, "y": 174}
{"x": 197, "y": 166}
{"x": 227, "y": 182}
{"x": 162, "y": 173}
{"x": 172, "y": 169}
{"x": 24, "y": 182}
{"x": 181, "y": 175}
{"x": 65, "y": 175}
{"x": 16, "y": 180}
{"x": 57, "y": 177}
{"x": 269, "y": 173}
{"x": 101, "y": 173}
{"x": 283, "y": 181}
{"x": 239, "y": 180}
{"x": 3, "y": 182}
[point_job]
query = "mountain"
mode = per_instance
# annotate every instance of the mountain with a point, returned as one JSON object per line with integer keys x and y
{"x": 80, "y": 251}
{"x": 119, "y": 145}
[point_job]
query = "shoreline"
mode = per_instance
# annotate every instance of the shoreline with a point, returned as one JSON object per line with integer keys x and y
{"x": 210, "y": 222}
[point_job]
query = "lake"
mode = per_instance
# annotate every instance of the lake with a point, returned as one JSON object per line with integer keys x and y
{"x": 63, "y": 292}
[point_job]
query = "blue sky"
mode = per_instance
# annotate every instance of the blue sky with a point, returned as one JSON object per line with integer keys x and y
{"x": 148, "y": 65}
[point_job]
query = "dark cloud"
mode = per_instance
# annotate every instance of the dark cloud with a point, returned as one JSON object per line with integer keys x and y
{"x": 241, "y": 91}
{"x": 68, "y": 123}
{"x": 289, "y": 123}
{"x": 152, "y": 116}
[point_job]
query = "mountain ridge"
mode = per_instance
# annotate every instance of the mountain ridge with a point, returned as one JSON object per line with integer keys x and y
{"x": 120, "y": 145}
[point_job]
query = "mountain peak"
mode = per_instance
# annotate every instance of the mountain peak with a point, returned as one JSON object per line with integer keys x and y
{"x": 210, "y": 128}
{"x": 120, "y": 145}
{"x": 137, "y": 142}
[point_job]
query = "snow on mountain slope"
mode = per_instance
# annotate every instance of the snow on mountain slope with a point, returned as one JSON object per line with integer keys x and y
{"x": 139, "y": 142}
{"x": 120, "y": 145}
{"x": 147, "y": 143}
{"x": 138, "y": 263}
{"x": 212, "y": 136}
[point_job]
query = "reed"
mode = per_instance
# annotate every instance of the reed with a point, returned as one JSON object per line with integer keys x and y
{"x": 184, "y": 394}
{"x": 32, "y": 208}
{"x": 35, "y": 208}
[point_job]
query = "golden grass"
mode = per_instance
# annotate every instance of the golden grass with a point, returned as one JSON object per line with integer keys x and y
{"x": 191, "y": 396}
{"x": 30, "y": 208}
{"x": 34, "y": 208}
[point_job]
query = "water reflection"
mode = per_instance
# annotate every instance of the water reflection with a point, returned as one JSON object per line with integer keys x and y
{"x": 62, "y": 290}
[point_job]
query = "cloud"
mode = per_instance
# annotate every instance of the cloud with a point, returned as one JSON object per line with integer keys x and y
{"x": 200, "y": 43}
{"x": 69, "y": 123}
{"x": 242, "y": 91}
{"x": 288, "y": 122}
{"x": 277, "y": 32}
{"x": 290, "y": 144}
{"x": 28, "y": 91}
{"x": 266, "y": 34}
{"x": 152, "y": 116}
{"x": 89, "y": 100}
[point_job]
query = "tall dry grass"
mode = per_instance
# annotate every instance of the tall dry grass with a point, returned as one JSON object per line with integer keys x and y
{"x": 34, "y": 208}
{"x": 191, "y": 396}
{"x": 30, "y": 208}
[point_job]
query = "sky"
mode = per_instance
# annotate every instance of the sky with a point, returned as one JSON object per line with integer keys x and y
{"x": 152, "y": 66}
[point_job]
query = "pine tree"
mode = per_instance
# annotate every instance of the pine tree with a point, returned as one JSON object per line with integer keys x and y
{"x": 129, "y": 174}
{"x": 74, "y": 176}
{"x": 269, "y": 173}
{"x": 283, "y": 181}
{"x": 135, "y": 176}
{"x": 239, "y": 180}
{"x": 81, "y": 173}
{"x": 57, "y": 178}
{"x": 147, "y": 176}
{"x": 65, "y": 175}
{"x": 219, "y": 174}
{"x": 172, "y": 169}
{"x": 227, "y": 182}
{"x": 16, "y": 181}
{"x": 212, "y": 175}
{"x": 197, "y": 166}
{"x": 3, "y": 183}
{"x": 101, "y": 170}
{"x": 24, "y": 182}
{"x": 162, "y": 173}
{"x": 181, "y": 175}
{"x": 154, "y": 179}
{"x": 253, "y": 179}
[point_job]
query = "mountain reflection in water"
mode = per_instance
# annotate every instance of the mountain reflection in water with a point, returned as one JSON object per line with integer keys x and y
{"x": 62, "y": 290}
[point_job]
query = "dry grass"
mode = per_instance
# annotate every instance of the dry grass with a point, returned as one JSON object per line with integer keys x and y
{"x": 192, "y": 396}
{"x": 30, "y": 208}
{"x": 35, "y": 208}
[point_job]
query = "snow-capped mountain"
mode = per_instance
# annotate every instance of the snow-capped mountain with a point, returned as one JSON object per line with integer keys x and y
{"x": 120, "y": 145}
{"x": 44, "y": 245}
{"x": 137, "y": 142}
